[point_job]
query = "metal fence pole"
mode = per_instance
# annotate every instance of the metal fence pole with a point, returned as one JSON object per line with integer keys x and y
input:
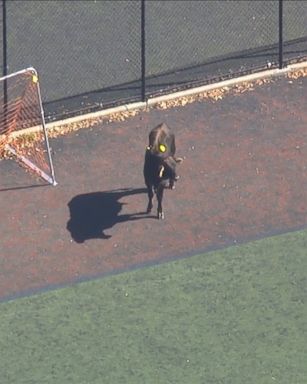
{"x": 281, "y": 59}
{"x": 4, "y": 63}
{"x": 4, "y": 39}
{"x": 143, "y": 53}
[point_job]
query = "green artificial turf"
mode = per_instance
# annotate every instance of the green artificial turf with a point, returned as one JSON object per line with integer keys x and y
{"x": 233, "y": 316}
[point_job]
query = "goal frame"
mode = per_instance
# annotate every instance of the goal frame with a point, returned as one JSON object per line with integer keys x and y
{"x": 28, "y": 163}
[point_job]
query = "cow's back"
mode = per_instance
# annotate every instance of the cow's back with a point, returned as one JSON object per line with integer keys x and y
{"x": 162, "y": 137}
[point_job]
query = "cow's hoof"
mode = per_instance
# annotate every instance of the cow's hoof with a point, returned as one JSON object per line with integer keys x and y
{"x": 161, "y": 215}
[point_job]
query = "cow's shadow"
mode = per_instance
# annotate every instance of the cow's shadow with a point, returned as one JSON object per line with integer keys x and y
{"x": 91, "y": 214}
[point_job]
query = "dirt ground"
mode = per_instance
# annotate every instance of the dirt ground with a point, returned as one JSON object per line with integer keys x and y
{"x": 244, "y": 177}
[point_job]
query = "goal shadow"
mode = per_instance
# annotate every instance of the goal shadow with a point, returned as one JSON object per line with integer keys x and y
{"x": 24, "y": 187}
{"x": 93, "y": 213}
{"x": 13, "y": 177}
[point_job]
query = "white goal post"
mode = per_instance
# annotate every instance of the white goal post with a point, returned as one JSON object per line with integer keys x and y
{"x": 23, "y": 133}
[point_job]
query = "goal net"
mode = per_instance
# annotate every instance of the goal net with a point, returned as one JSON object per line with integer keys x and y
{"x": 23, "y": 134}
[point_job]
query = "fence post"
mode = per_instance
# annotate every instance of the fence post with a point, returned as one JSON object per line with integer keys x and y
{"x": 281, "y": 59}
{"x": 143, "y": 53}
{"x": 4, "y": 58}
{"x": 4, "y": 39}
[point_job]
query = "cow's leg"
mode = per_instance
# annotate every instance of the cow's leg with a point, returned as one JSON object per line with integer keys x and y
{"x": 171, "y": 171}
{"x": 160, "y": 190}
{"x": 150, "y": 196}
{"x": 173, "y": 150}
{"x": 172, "y": 183}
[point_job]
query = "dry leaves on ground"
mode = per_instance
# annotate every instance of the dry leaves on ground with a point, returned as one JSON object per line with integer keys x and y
{"x": 297, "y": 74}
{"x": 213, "y": 95}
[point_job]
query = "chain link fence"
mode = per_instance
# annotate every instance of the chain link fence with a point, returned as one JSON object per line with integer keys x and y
{"x": 93, "y": 54}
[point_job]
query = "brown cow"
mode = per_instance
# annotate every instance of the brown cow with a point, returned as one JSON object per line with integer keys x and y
{"x": 160, "y": 165}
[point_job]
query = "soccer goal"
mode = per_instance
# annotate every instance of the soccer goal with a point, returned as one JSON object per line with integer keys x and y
{"x": 23, "y": 134}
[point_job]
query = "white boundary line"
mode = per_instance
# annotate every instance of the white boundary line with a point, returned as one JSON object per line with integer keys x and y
{"x": 176, "y": 95}
{"x": 171, "y": 96}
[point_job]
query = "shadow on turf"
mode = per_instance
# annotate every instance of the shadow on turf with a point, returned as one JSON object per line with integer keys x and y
{"x": 91, "y": 214}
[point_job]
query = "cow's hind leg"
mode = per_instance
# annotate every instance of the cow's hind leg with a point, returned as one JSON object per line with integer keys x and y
{"x": 150, "y": 196}
{"x": 160, "y": 212}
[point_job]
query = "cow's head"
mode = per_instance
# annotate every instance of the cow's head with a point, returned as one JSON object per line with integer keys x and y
{"x": 160, "y": 150}
{"x": 167, "y": 174}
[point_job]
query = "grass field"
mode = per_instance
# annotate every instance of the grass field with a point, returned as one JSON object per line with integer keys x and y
{"x": 232, "y": 316}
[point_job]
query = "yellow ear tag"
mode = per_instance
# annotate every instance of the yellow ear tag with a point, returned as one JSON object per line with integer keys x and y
{"x": 34, "y": 79}
{"x": 162, "y": 148}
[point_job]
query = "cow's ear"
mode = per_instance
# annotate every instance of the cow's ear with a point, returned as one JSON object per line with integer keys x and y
{"x": 161, "y": 171}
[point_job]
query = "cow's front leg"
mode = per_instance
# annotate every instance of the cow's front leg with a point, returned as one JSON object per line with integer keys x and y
{"x": 172, "y": 182}
{"x": 160, "y": 212}
{"x": 150, "y": 196}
